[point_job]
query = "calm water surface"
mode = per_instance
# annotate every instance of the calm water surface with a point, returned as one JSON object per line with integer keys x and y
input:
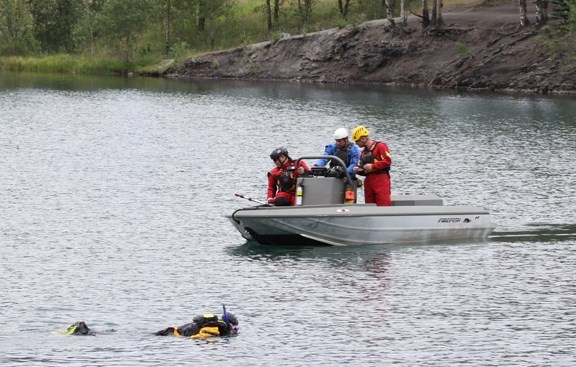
{"x": 112, "y": 201}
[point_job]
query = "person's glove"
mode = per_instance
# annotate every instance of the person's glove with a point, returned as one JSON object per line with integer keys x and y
{"x": 270, "y": 201}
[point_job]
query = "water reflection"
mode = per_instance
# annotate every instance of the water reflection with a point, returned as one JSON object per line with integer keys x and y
{"x": 361, "y": 258}
{"x": 371, "y": 259}
{"x": 255, "y": 251}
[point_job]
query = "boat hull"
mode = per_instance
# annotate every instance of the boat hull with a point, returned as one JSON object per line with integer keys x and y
{"x": 352, "y": 225}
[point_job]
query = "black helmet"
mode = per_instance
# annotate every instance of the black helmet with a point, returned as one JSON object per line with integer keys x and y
{"x": 233, "y": 319}
{"x": 276, "y": 153}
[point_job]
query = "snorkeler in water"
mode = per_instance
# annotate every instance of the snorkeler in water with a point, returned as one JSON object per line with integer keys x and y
{"x": 77, "y": 328}
{"x": 202, "y": 326}
{"x": 205, "y": 326}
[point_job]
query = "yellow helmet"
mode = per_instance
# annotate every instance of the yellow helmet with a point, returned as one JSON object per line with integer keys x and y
{"x": 358, "y": 132}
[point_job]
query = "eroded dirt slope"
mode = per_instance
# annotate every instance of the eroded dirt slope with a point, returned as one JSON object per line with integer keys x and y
{"x": 477, "y": 49}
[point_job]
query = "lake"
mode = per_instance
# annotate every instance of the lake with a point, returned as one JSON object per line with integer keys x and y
{"x": 114, "y": 191}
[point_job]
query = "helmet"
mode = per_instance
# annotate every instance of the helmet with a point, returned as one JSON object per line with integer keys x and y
{"x": 276, "y": 153}
{"x": 340, "y": 133}
{"x": 358, "y": 132}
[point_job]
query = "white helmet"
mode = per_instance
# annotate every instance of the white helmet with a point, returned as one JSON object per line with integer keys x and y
{"x": 340, "y": 133}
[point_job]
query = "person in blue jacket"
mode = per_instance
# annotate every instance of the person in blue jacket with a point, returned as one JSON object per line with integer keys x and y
{"x": 344, "y": 149}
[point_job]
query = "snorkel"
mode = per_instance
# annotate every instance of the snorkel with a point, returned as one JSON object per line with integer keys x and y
{"x": 233, "y": 329}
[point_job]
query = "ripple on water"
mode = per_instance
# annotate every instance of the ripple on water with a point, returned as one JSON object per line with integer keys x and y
{"x": 113, "y": 203}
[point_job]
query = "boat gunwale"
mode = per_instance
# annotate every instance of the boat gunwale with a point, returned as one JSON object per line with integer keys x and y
{"x": 357, "y": 210}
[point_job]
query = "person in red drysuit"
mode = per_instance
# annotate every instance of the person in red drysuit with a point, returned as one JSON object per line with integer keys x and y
{"x": 375, "y": 161}
{"x": 282, "y": 178}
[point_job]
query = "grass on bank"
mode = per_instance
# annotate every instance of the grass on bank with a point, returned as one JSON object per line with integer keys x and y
{"x": 80, "y": 64}
{"x": 64, "y": 63}
{"x": 244, "y": 25}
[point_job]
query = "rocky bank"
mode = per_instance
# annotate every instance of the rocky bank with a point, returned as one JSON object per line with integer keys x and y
{"x": 479, "y": 48}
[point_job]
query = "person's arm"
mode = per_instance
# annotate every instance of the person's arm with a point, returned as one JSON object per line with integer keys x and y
{"x": 305, "y": 166}
{"x": 354, "y": 159}
{"x": 327, "y": 151}
{"x": 383, "y": 156}
{"x": 271, "y": 188}
{"x": 359, "y": 169}
{"x": 188, "y": 329}
{"x": 302, "y": 169}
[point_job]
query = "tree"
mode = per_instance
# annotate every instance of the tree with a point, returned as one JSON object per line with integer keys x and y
{"x": 85, "y": 31}
{"x": 563, "y": 37}
{"x": 191, "y": 23}
{"x": 276, "y": 10}
{"x": 437, "y": 12}
{"x": 202, "y": 12}
{"x": 272, "y": 13}
{"x": 389, "y": 6}
{"x": 403, "y": 17}
{"x": 541, "y": 12}
{"x": 436, "y": 19}
{"x": 268, "y": 15}
{"x": 343, "y": 8}
{"x": 425, "y": 14}
{"x": 54, "y": 21}
{"x": 180, "y": 23}
{"x": 208, "y": 13}
{"x": 524, "y": 22}
{"x": 305, "y": 10}
{"x": 124, "y": 22}
{"x": 16, "y": 28}
{"x": 167, "y": 26}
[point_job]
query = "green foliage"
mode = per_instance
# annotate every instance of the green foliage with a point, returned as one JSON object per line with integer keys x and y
{"x": 462, "y": 51}
{"x": 63, "y": 64}
{"x": 85, "y": 31}
{"x": 54, "y": 21}
{"x": 180, "y": 50}
{"x": 16, "y": 28}
{"x": 142, "y": 33}
{"x": 561, "y": 41}
{"x": 156, "y": 68}
{"x": 252, "y": 68}
{"x": 342, "y": 23}
{"x": 571, "y": 18}
{"x": 123, "y": 24}
{"x": 372, "y": 9}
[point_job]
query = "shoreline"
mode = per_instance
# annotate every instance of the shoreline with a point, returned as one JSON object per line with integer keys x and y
{"x": 477, "y": 49}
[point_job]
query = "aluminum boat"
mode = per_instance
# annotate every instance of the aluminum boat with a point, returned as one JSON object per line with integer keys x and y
{"x": 323, "y": 218}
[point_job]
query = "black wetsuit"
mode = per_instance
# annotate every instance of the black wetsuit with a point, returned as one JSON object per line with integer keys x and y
{"x": 194, "y": 327}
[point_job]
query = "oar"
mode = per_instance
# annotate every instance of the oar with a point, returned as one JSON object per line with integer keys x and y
{"x": 249, "y": 198}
